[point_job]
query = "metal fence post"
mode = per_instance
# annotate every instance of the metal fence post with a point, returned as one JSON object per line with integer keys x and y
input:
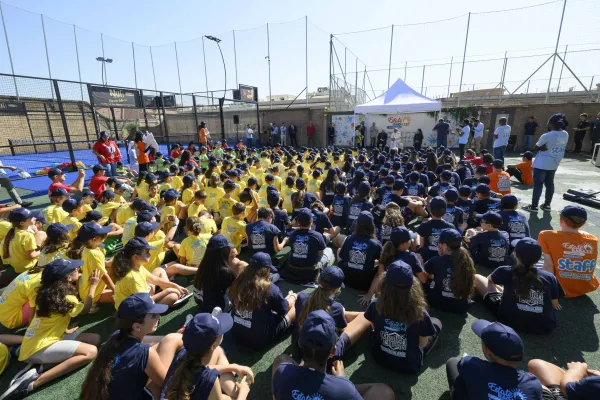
{"x": 12, "y": 67}
{"x": 47, "y": 56}
{"x": 134, "y": 69}
{"x": 205, "y": 73}
{"x": 390, "y": 62}
{"x": 555, "y": 50}
{"x": 330, "y": 75}
{"x": 462, "y": 71}
{"x": 178, "y": 74}
{"x": 162, "y": 106}
{"x": 144, "y": 109}
{"x": 306, "y": 55}
{"x": 235, "y": 60}
{"x": 153, "y": 73}
{"x": 31, "y": 133}
{"x": 112, "y": 113}
{"x": 562, "y": 67}
{"x": 269, "y": 59}
{"x": 77, "y": 54}
{"x": 450, "y": 75}
{"x": 49, "y": 124}
{"x": 222, "y": 117}
{"x": 65, "y": 125}
{"x": 195, "y": 112}
{"x": 87, "y": 133}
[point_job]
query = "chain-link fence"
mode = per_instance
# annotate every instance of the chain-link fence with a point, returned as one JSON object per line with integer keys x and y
{"x": 54, "y": 123}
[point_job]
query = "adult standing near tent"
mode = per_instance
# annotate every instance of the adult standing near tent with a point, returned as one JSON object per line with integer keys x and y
{"x": 107, "y": 152}
{"x": 310, "y": 133}
{"x": 418, "y": 139}
{"x": 551, "y": 149}
{"x": 330, "y": 134}
{"x": 595, "y": 128}
{"x": 6, "y": 183}
{"x": 202, "y": 134}
{"x": 373, "y": 134}
{"x": 249, "y": 135}
{"x": 442, "y": 128}
{"x": 382, "y": 139}
{"x": 275, "y": 135}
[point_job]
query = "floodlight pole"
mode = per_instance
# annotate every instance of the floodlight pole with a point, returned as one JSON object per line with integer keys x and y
{"x": 390, "y": 62}
{"x": 235, "y": 61}
{"x": 450, "y": 75}
{"x": 12, "y": 67}
{"x": 462, "y": 71}
{"x": 269, "y": 62}
{"x": 330, "y": 65}
{"x": 556, "y": 50}
{"x": 205, "y": 73}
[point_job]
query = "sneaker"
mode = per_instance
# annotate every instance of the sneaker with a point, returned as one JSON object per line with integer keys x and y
{"x": 26, "y": 369}
{"x": 15, "y": 350}
{"x": 530, "y": 208}
{"x": 274, "y": 277}
{"x": 26, "y": 204}
{"x": 20, "y": 388}
{"x": 546, "y": 207}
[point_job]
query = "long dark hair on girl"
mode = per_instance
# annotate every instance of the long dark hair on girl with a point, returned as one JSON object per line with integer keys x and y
{"x": 76, "y": 248}
{"x": 525, "y": 277}
{"x": 328, "y": 185}
{"x": 431, "y": 161}
{"x": 367, "y": 229}
{"x": 184, "y": 158}
{"x": 251, "y": 289}
{"x": 55, "y": 243}
{"x": 358, "y": 197}
{"x": 463, "y": 271}
{"x": 388, "y": 254}
{"x": 319, "y": 299}
{"x": 212, "y": 269}
{"x": 141, "y": 178}
{"x": 51, "y": 298}
{"x": 7, "y": 239}
{"x": 149, "y": 179}
{"x": 182, "y": 383}
{"x": 122, "y": 262}
{"x": 404, "y": 305}
{"x": 298, "y": 197}
{"x": 95, "y": 386}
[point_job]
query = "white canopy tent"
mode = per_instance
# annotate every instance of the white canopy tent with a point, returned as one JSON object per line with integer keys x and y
{"x": 400, "y": 98}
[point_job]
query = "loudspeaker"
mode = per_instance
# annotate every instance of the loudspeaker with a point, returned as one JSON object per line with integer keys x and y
{"x": 237, "y": 95}
{"x": 236, "y": 119}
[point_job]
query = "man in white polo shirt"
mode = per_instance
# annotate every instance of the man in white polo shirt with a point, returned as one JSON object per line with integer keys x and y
{"x": 501, "y": 137}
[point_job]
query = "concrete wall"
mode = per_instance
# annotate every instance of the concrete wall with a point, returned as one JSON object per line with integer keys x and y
{"x": 300, "y": 117}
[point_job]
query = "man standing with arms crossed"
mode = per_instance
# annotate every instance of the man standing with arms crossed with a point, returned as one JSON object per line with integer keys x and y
{"x": 442, "y": 129}
{"x": 292, "y": 133}
{"x": 478, "y": 135}
{"x": 501, "y": 137}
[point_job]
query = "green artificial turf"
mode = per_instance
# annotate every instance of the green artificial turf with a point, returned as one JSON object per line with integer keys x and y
{"x": 575, "y": 338}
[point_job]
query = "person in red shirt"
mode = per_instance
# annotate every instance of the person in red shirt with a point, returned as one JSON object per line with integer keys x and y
{"x": 310, "y": 132}
{"x": 58, "y": 177}
{"x": 471, "y": 157}
{"x": 524, "y": 170}
{"x": 98, "y": 181}
{"x": 108, "y": 152}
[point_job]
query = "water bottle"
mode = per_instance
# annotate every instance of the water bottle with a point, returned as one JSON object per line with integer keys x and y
{"x": 216, "y": 311}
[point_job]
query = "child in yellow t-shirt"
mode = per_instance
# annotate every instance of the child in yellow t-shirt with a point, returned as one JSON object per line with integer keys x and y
{"x": 208, "y": 222}
{"x": 120, "y": 190}
{"x": 177, "y": 176}
{"x": 167, "y": 181}
{"x": 213, "y": 192}
{"x": 234, "y": 227}
{"x": 56, "y": 305}
{"x": 286, "y": 193}
{"x": 56, "y": 245}
{"x": 54, "y": 212}
{"x": 17, "y": 302}
{"x": 141, "y": 187}
{"x": 313, "y": 185}
{"x": 153, "y": 195}
{"x": 277, "y": 181}
{"x": 225, "y": 203}
{"x": 250, "y": 199}
{"x": 188, "y": 189}
{"x": 88, "y": 199}
{"x": 73, "y": 208}
{"x": 125, "y": 213}
{"x": 108, "y": 207}
{"x": 19, "y": 248}
{"x": 193, "y": 247}
{"x": 87, "y": 248}
{"x": 198, "y": 203}
{"x": 131, "y": 277}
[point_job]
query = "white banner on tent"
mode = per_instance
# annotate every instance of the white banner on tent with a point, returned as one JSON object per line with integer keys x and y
{"x": 407, "y": 125}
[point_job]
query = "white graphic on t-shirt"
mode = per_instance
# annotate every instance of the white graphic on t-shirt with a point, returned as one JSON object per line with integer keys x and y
{"x": 300, "y": 247}
{"x": 499, "y": 393}
{"x": 338, "y": 209}
{"x": 358, "y": 256}
{"x": 393, "y": 338}
{"x": 413, "y": 190}
{"x": 535, "y": 302}
{"x": 243, "y": 318}
{"x": 497, "y": 250}
{"x": 446, "y": 291}
{"x": 386, "y": 232}
{"x": 577, "y": 250}
{"x": 355, "y": 210}
{"x": 516, "y": 228}
{"x": 448, "y": 218}
{"x": 298, "y": 395}
{"x": 434, "y": 238}
{"x": 257, "y": 237}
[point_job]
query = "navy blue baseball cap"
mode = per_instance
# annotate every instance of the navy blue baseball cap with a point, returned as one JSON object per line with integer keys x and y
{"x": 218, "y": 242}
{"x": 364, "y": 187}
{"x": 57, "y": 229}
{"x": 188, "y": 179}
{"x": 145, "y": 228}
{"x": 203, "y": 330}
{"x": 304, "y": 216}
{"x": 401, "y": 234}
{"x": 171, "y": 195}
{"x": 502, "y": 340}
{"x": 509, "y": 201}
{"x": 378, "y": 212}
{"x": 58, "y": 269}
{"x": 400, "y": 274}
{"x": 365, "y": 217}
{"x": 272, "y": 197}
{"x": 451, "y": 195}
{"x": 91, "y": 216}
{"x": 437, "y": 203}
{"x": 137, "y": 204}
{"x": 333, "y": 276}
{"x": 492, "y": 218}
{"x": 139, "y": 304}
{"x": 414, "y": 176}
{"x": 446, "y": 175}
{"x": 450, "y": 236}
{"x": 262, "y": 260}
{"x": 571, "y": 211}
{"x": 482, "y": 188}
{"x": 165, "y": 174}
{"x": 59, "y": 192}
{"x": 389, "y": 180}
{"x": 340, "y": 187}
{"x": 99, "y": 167}
{"x": 481, "y": 170}
{"x": 318, "y": 331}
{"x": 91, "y": 230}
{"x": 108, "y": 194}
{"x": 528, "y": 155}
{"x": 86, "y": 193}
{"x": 111, "y": 180}
{"x": 229, "y": 185}
{"x": 528, "y": 250}
{"x": 20, "y": 215}
{"x": 398, "y": 184}
{"x": 70, "y": 205}
{"x": 54, "y": 172}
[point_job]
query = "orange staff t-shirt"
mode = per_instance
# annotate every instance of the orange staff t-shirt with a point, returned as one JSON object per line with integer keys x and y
{"x": 574, "y": 257}
{"x": 526, "y": 172}
{"x": 500, "y": 182}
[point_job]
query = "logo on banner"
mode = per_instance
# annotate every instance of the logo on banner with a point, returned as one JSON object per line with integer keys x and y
{"x": 399, "y": 122}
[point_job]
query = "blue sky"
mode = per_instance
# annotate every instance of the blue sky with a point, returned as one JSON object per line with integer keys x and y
{"x": 160, "y": 24}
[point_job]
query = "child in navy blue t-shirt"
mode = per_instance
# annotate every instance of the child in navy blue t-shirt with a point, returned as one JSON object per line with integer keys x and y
{"x": 317, "y": 339}
{"x": 465, "y": 204}
{"x": 281, "y": 219}
{"x": 340, "y": 206}
{"x": 514, "y": 222}
{"x": 471, "y": 377}
{"x": 485, "y": 202}
{"x": 522, "y": 296}
{"x": 429, "y": 232}
{"x": 489, "y": 247}
{"x": 453, "y": 214}
{"x": 577, "y": 382}
{"x": 452, "y": 274}
{"x": 263, "y": 235}
{"x": 403, "y": 331}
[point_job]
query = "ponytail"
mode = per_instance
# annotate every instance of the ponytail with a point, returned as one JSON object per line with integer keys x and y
{"x": 76, "y": 249}
{"x": 194, "y": 225}
{"x": 318, "y": 300}
{"x": 121, "y": 264}
{"x": 6, "y": 245}
{"x": 358, "y": 198}
{"x": 525, "y": 277}
{"x": 182, "y": 383}
{"x": 463, "y": 273}
{"x": 388, "y": 254}
{"x": 95, "y": 386}
{"x": 298, "y": 200}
